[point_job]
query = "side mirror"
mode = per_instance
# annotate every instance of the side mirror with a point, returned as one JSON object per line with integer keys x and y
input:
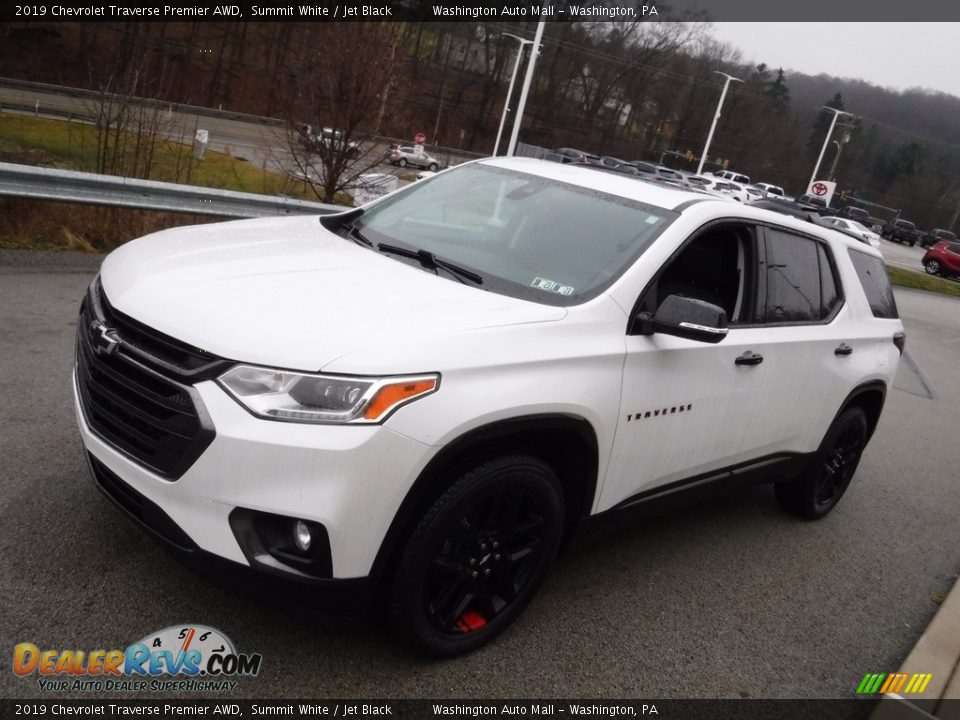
{"x": 687, "y": 318}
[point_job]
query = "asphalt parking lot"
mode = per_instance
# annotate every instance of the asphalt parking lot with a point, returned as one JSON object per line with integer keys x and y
{"x": 731, "y": 599}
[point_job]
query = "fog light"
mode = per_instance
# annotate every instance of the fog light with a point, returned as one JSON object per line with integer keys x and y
{"x": 301, "y": 536}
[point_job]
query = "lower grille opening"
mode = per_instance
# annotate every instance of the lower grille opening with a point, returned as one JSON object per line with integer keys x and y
{"x": 146, "y": 512}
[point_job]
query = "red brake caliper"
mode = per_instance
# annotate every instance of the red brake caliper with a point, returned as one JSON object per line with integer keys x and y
{"x": 471, "y": 620}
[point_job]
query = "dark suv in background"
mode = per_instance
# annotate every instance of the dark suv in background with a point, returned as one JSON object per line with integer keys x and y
{"x": 934, "y": 236}
{"x": 901, "y": 231}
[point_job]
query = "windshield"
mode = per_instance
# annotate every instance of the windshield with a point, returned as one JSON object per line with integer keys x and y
{"x": 526, "y": 236}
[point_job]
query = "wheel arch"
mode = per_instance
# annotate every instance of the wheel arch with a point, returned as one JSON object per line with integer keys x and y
{"x": 870, "y": 397}
{"x": 565, "y": 442}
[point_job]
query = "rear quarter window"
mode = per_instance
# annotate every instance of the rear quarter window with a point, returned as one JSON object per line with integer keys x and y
{"x": 876, "y": 284}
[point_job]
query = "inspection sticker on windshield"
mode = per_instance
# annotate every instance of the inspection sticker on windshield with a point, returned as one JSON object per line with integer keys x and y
{"x": 551, "y": 286}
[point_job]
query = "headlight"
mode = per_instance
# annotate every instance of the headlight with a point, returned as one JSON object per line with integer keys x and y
{"x": 301, "y": 397}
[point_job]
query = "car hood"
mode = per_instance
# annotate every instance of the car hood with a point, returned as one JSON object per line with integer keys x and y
{"x": 286, "y": 292}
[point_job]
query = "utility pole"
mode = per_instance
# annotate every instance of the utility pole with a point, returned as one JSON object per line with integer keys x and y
{"x": 513, "y": 78}
{"x": 526, "y": 84}
{"x": 713, "y": 125}
{"x": 826, "y": 141}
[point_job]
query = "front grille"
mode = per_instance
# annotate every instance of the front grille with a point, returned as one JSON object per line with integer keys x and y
{"x": 135, "y": 388}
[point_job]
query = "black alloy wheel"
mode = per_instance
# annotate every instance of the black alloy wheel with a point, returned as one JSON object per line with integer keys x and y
{"x": 478, "y": 556}
{"x": 819, "y": 490}
{"x": 838, "y": 467}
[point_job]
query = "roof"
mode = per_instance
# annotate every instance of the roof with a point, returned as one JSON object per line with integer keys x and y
{"x": 625, "y": 186}
{"x": 664, "y": 196}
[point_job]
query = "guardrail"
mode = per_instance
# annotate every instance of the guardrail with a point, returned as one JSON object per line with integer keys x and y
{"x": 37, "y": 183}
{"x": 93, "y": 95}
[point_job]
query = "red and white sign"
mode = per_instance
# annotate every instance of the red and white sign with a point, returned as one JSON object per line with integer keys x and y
{"x": 419, "y": 138}
{"x": 822, "y": 189}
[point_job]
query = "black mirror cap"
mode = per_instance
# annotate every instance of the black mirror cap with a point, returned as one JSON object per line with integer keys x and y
{"x": 686, "y": 317}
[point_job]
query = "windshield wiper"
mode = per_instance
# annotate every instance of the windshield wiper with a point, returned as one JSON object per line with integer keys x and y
{"x": 346, "y": 221}
{"x": 430, "y": 261}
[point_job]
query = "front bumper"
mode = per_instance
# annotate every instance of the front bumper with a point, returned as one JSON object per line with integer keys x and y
{"x": 349, "y": 479}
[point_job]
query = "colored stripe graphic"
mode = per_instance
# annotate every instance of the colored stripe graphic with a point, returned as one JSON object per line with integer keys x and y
{"x": 882, "y": 683}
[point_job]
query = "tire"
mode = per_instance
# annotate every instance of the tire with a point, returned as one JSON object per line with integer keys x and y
{"x": 820, "y": 488}
{"x": 433, "y": 167}
{"x": 402, "y": 162}
{"x": 932, "y": 267}
{"x": 477, "y": 556}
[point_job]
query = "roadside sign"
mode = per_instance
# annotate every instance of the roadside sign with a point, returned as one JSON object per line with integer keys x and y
{"x": 372, "y": 186}
{"x": 823, "y": 189}
{"x": 419, "y": 138}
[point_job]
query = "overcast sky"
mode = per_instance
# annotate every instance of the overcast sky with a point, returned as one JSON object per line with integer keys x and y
{"x": 894, "y": 55}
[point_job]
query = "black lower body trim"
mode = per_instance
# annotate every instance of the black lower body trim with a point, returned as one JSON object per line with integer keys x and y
{"x": 352, "y": 596}
{"x": 782, "y": 467}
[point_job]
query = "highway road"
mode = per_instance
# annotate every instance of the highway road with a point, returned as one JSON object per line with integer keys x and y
{"x": 732, "y": 599}
{"x": 261, "y": 141}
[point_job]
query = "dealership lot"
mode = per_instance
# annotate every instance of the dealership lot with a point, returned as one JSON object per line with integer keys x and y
{"x": 733, "y": 599}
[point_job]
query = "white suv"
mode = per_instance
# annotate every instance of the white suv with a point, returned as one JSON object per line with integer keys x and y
{"x": 419, "y": 402}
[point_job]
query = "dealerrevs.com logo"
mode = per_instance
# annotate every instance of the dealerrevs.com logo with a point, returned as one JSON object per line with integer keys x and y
{"x": 182, "y": 658}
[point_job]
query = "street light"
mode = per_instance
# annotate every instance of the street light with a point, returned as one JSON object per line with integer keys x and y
{"x": 527, "y": 80}
{"x": 713, "y": 126}
{"x": 513, "y": 78}
{"x": 826, "y": 141}
{"x": 836, "y": 158}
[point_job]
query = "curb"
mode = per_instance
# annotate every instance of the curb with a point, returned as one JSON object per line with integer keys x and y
{"x": 937, "y": 652}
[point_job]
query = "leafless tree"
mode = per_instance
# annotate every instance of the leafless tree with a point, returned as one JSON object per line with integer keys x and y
{"x": 336, "y": 99}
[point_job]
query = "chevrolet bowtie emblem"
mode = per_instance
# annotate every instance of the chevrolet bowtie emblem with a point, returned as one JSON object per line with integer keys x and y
{"x": 104, "y": 339}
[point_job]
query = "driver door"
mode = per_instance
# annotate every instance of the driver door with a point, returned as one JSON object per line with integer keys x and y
{"x": 686, "y": 405}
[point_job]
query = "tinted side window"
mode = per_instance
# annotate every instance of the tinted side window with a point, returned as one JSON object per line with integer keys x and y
{"x": 793, "y": 278}
{"x": 876, "y": 284}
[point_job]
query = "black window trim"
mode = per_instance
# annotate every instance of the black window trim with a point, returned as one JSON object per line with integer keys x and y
{"x": 633, "y": 327}
{"x": 759, "y": 279}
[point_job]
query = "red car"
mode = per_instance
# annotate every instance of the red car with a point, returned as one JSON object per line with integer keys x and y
{"x": 943, "y": 259}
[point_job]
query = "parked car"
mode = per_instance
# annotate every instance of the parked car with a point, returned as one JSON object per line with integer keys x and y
{"x": 420, "y": 401}
{"x": 733, "y": 176}
{"x": 770, "y": 190}
{"x": 813, "y": 201}
{"x": 901, "y": 231}
{"x": 405, "y": 155}
{"x": 934, "y": 236}
{"x": 786, "y": 207}
{"x": 572, "y": 155}
{"x": 855, "y": 213}
{"x": 645, "y": 168}
{"x": 658, "y": 173}
{"x": 850, "y": 227}
{"x": 943, "y": 259}
{"x": 327, "y": 138}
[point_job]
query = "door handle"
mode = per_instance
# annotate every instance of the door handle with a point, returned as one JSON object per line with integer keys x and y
{"x": 749, "y": 358}
{"x": 843, "y": 349}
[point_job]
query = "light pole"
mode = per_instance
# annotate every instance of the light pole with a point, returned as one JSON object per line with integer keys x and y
{"x": 526, "y": 85}
{"x": 836, "y": 158}
{"x": 713, "y": 126}
{"x": 513, "y": 78}
{"x": 826, "y": 141}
